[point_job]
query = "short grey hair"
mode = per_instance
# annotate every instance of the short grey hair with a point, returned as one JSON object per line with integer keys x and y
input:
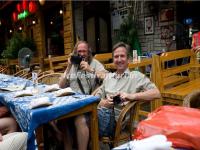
{"x": 121, "y": 44}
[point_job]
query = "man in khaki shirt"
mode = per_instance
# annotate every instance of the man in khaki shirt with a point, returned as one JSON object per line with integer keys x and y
{"x": 81, "y": 78}
{"x": 127, "y": 85}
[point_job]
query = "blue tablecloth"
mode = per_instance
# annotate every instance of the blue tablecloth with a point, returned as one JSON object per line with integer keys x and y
{"x": 29, "y": 119}
{"x": 7, "y": 80}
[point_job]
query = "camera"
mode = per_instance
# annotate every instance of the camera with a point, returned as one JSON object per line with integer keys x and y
{"x": 117, "y": 99}
{"x": 76, "y": 60}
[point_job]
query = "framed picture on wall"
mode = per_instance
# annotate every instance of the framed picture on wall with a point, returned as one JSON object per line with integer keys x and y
{"x": 148, "y": 25}
{"x": 166, "y": 14}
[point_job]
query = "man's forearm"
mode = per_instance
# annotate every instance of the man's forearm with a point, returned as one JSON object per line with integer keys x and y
{"x": 147, "y": 95}
{"x": 62, "y": 82}
{"x": 63, "y": 79}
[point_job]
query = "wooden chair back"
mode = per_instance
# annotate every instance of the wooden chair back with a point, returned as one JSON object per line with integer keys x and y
{"x": 104, "y": 58}
{"x": 4, "y": 69}
{"x": 41, "y": 73}
{"x": 24, "y": 73}
{"x": 58, "y": 63}
{"x": 49, "y": 79}
{"x": 164, "y": 74}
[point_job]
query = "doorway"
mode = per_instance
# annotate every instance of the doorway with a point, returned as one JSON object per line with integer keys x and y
{"x": 97, "y": 25}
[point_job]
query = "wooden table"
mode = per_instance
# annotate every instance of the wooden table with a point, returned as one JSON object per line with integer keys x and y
{"x": 31, "y": 120}
{"x": 92, "y": 109}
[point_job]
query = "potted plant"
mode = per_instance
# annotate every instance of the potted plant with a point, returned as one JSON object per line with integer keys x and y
{"x": 128, "y": 34}
{"x": 15, "y": 44}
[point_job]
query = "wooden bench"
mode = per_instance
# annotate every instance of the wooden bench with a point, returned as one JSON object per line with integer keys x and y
{"x": 58, "y": 63}
{"x": 104, "y": 58}
{"x": 179, "y": 85}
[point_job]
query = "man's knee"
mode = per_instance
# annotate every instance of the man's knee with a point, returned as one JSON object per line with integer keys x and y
{"x": 80, "y": 121}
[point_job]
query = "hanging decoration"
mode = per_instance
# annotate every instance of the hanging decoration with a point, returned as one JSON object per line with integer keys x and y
{"x": 18, "y": 7}
{"x": 32, "y": 7}
{"x": 24, "y": 9}
{"x": 14, "y": 16}
{"x": 23, "y": 15}
{"x": 24, "y": 4}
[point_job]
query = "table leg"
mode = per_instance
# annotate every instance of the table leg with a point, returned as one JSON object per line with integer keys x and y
{"x": 40, "y": 138}
{"x": 94, "y": 129}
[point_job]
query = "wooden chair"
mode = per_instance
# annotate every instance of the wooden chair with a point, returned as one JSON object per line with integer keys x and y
{"x": 58, "y": 63}
{"x": 3, "y": 69}
{"x": 41, "y": 73}
{"x": 24, "y": 73}
{"x": 49, "y": 79}
{"x": 175, "y": 93}
{"x": 122, "y": 134}
{"x": 124, "y": 127}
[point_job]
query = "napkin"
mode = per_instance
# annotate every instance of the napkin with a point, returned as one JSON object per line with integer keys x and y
{"x": 13, "y": 87}
{"x": 154, "y": 142}
{"x": 40, "y": 102}
{"x": 64, "y": 92}
{"x": 23, "y": 93}
{"x": 50, "y": 88}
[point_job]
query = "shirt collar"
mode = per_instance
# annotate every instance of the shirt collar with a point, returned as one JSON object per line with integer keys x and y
{"x": 125, "y": 74}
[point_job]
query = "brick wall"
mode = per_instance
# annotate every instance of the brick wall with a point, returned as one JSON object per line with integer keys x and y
{"x": 162, "y": 36}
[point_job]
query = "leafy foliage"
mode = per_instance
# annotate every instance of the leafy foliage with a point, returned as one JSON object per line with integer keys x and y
{"x": 128, "y": 33}
{"x": 15, "y": 44}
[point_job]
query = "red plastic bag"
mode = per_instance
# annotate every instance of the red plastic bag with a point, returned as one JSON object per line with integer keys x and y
{"x": 181, "y": 125}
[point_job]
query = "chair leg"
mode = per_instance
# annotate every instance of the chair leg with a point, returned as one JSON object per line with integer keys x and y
{"x": 111, "y": 145}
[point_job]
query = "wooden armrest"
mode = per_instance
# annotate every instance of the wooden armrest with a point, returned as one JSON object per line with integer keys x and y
{"x": 122, "y": 115}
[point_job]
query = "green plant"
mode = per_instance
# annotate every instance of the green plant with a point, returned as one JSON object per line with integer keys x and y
{"x": 15, "y": 44}
{"x": 128, "y": 34}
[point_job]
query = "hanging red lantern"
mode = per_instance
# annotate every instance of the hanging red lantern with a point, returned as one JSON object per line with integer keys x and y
{"x": 18, "y": 7}
{"x": 32, "y": 7}
{"x": 24, "y": 4}
{"x": 14, "y": 16}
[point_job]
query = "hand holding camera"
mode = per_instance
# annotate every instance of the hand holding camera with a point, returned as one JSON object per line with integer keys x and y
{"x": 76, "y": 60}
{"x": 117, "y": 100}
{"x": 79, "y": 60}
